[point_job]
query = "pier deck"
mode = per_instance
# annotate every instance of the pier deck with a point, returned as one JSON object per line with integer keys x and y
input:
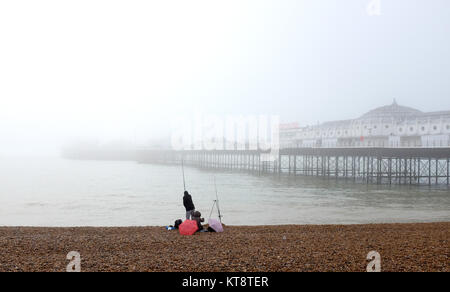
{"x": 414, "y": 166}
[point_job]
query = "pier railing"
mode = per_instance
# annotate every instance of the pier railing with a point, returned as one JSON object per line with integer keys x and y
{"x": 414, "y": 166}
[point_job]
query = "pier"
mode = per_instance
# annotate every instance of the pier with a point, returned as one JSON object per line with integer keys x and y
{"x": 406, "y": 166}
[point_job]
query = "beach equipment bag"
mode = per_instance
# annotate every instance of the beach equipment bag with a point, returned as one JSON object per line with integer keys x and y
{"x": 178, "y": 223}
{"x": 215, "y": 224}
{"x": 188, "y": 227}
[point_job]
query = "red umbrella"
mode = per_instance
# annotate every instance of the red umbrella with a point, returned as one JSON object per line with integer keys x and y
{"x": 188, "y": 227}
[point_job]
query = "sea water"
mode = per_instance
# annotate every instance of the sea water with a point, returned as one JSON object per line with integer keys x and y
{"x": 61, "y": 192}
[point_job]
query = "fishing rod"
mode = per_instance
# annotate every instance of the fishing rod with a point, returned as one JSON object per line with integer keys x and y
{"x": 184, "y": 179}
{"x": 217, "y": 200}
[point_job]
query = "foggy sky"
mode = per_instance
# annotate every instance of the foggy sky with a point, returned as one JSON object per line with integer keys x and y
{"x": 105, "y": 70}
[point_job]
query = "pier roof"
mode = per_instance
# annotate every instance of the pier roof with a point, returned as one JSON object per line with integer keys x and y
{"x": 392, "y": 111}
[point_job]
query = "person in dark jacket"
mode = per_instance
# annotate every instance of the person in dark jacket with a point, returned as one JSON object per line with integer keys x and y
{"x": 189, "y": 205}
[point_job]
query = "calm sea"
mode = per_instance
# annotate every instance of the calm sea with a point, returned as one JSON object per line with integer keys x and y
{"x": 59, "y": 192}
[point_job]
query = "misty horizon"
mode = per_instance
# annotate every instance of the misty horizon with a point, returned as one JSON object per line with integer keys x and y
{"x": 103, "y": 71}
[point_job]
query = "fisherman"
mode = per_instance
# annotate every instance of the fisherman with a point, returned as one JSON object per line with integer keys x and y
{"x": 189, "y": 205}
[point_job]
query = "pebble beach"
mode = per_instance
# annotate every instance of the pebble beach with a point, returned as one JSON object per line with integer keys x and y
{"x": 291, "y": 248}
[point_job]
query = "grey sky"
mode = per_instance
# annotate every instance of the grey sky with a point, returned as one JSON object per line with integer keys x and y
{"x": 117, "y": 69}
